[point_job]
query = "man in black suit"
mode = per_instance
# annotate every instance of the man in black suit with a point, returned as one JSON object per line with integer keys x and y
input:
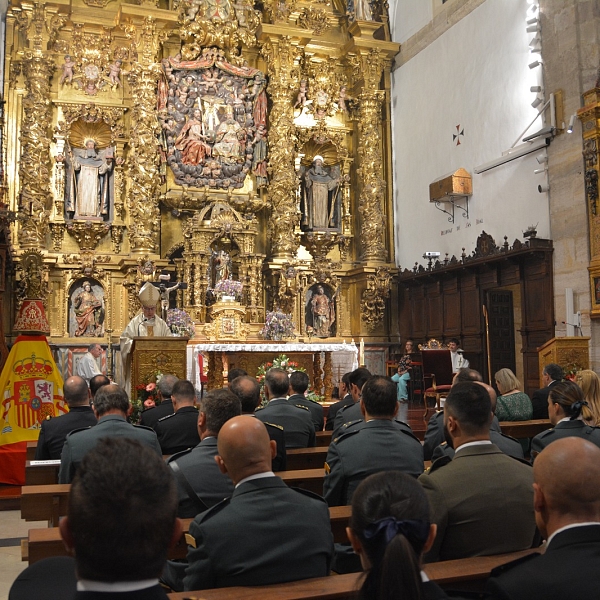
{"x": 296, "y": 420}
{"x": 55, "y": 430}
{"x": 539, "y": 399}
{"x": 151, "y": 416}
{"x": 298, "y": 385}
{"x": 267, "y": 532}
{"x": 179, "y": 431}
{"x": 566, "y": 500}
{"x": 346, "y": 400}
{"x": 246, "y": 388}
{"x": 198, "y": 464}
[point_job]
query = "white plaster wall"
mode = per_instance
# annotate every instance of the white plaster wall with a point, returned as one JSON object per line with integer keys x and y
{"x": 407, "y": 17}
{"x": 475, "y": 75}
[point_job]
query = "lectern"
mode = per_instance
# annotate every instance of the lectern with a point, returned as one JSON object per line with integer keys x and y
{"x": 152, "y": 354}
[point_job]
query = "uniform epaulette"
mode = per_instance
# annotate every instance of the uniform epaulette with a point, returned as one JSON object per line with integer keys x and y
{"x": 259, "y": 409}
{"x": 545, "y": 433}
{"x": 78, "y": 430}
{"x": 213, "y": 510}
{"x": 349, "y": 424}
{"x": 442, "y": 461}
{"x": 403, "y": 423}
{"x": 167, "y": 417}
{"x": 311, "y": 400}
{"x": 346, "y": 407}
{"x": 513, "y": 563}
{"x": 145, "y": 427}
{"x": 521, "y": 460}
{"x": 509, "y": 437}
{"x": 302, "y": 407}
{"x": 178, "y": 455}
{"x": 346, "y": 434}
{"x": 410, "y": 434}
{"x": 273, "y": 425}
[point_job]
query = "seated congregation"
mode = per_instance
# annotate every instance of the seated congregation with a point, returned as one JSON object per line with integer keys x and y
{"x": 479, "y": 498}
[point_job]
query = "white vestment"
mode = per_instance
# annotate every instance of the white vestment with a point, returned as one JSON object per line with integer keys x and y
{"x": 87, "y": 367}
{"x": 458, "y": 362}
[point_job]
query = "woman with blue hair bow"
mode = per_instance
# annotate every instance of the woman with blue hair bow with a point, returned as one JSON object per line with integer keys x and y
{"x": 390, "y": 531}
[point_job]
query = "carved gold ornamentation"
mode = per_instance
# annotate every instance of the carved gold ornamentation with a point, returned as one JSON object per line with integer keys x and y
{"x": 57, "y": 231}
{"x": 34, "y": 166}
{"x": 372, "y": 305}
{"x": 116, "y": 237}
{"x": 88, "y": 233}
{"x": 372, "y": 194}
{"x": 314, "y": 19}
{"x": 278, "y": 11}
{"x": 227, "y": 323}
{"x": 317, "y": 373}
{"x": 87, "y": 262}
{"x": 143, "y": 161}
{"x": 281, "y": 56}
{"x": 91, "y": 113}
{"x": 32, "y": 277}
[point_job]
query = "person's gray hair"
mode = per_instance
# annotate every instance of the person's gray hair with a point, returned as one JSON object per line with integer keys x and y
{"x": 166, "y": 384}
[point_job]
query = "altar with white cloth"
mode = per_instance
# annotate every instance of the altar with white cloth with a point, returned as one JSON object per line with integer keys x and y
{"x": 324, "y": 363}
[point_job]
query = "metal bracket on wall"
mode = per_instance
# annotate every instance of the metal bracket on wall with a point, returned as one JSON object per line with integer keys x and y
{"x": 451, "y": 200}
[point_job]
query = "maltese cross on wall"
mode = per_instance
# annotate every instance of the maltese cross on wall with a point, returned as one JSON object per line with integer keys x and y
{"x": 456, "y": 136}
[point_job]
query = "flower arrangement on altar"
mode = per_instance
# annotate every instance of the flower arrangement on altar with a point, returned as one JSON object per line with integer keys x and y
{"x": 180, "y": 323}
{"x": 571, "y": 370}
{"x": 282, "y": 362}
{"x": 278, "y": 325}
{"x": 229, "y": 287}
{"x": 146, "y": 396}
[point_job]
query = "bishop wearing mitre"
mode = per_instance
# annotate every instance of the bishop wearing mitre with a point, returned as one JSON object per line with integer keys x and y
{"x": 145, "y": 324}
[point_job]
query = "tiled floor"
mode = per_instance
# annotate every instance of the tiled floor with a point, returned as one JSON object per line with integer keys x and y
{"x": 12, "y": 529}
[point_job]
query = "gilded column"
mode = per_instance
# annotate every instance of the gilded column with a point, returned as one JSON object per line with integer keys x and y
{"x": 35, "y": 198}
{"x": 370, "y": 170}
{"x": 143, "y": 162}
{"x": 280, "y": 56}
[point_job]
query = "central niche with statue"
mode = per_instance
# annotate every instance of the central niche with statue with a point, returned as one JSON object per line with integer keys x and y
{"x": 213, "y": 117}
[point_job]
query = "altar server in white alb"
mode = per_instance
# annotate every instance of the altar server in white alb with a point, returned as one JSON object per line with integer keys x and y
{"x": 145, "y": 324}
{"x": 87, "y": 366}
{"x": 458, "y": 360}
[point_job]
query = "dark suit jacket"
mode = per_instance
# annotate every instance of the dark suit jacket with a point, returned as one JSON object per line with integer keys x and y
{"x": 348, "y": 413}
{"x": 155, "y": 592}
{"x": 46, "y": 579}
{"x": 539, "y": 400}
{"x": 151, "y": 416}
{"x": 54, "y": 431}
{"x": 482, "y": 503}
{"x": 434, "y": 436}
{"x": 333, "y": 409}
{"x": 378, "y": 445}
{"x": 267, "y": 533}
{"x": 179, "y": 431}
{"x": 565, "y": 429}
{"x": 78, "y": 443}
{"x": 200, "y": 469}
{"x": 507, "y": 444}
{"x": 296, "y": 422}
{"x": 316, "y": 410}
{"x": 570, "y": 568}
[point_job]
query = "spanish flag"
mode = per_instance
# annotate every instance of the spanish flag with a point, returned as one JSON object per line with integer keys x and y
{"x": 31, "y": 389}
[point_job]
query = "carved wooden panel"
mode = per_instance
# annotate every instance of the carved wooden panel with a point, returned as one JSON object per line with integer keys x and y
{"x": 435, "y": 311}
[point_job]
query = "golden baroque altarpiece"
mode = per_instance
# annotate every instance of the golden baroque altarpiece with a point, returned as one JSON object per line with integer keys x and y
{"x": 204, "y": 140}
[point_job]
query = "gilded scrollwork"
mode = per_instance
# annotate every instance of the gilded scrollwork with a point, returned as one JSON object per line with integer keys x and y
{"x": 372, "y": 305}
{"x": 57, "y": 232}
{"x": 369, "y": 67}
{"x": 32, "y": 277}
{"x": 281, "y": 57}
{"x": 314, "y": 19}
{"x": 87, "y": 233}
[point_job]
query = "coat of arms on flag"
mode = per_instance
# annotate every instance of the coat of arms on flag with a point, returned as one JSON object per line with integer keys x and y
{"x": 31, "y": 390}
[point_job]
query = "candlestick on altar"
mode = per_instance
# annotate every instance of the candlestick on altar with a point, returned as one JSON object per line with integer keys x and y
{"x": 361, "y": 353}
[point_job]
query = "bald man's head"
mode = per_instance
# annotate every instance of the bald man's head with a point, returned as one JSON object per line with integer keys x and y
{"x": 567, "y": 484}
{"x": 492, "y": 392}
{"x": 244, "y": 448}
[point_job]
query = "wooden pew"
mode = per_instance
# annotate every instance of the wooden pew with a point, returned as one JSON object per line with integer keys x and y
{"x": 44, "y": 502}
{"x": 524, "y": 429}
{"x": 306, "y": 479}
{"x": 451, "y": 573}
{"x": 41, "y": 474}
{"x": 31, "y": 448}
{"x": 323, "y": 438}
{"x": 46, "y": 542}
{"x": 306, "y": 458}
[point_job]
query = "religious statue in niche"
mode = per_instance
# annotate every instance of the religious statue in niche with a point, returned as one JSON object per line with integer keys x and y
{"x": 86, "y": 318}
{"x": 213, "y": 117}
{"x": 221, "y": 265}
{"x": 320, "y": 311}
{"x": 320, "y": 196}
{"x": 288, "y": 289}
{"x": 90, "y": 161}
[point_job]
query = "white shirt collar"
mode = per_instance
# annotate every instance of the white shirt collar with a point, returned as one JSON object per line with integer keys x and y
{"x": 86, "y": 585}
{"x": 569, "y": 526}
{"x": 476, "y": 443}
{"x": 255, "y": 476}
